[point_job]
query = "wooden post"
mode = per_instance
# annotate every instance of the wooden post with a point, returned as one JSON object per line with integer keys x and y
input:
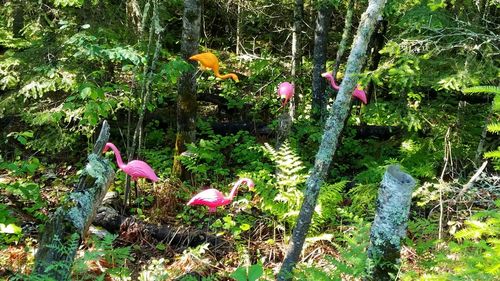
{"x": 66, "y": 228}
{"x": 389, "y": 225}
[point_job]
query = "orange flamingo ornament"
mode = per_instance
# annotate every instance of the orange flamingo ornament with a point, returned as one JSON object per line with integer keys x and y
{"x": 209, "y": 60}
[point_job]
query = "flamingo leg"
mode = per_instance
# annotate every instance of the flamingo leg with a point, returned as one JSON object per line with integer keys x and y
{"x": 127, "y": 193}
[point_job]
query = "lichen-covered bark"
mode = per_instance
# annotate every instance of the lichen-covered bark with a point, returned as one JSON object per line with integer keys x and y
{"x": 319, "y": 61}
{"x": 333, "y": 128}
{"x": 389, "y": 225}
{"x": 66, "y": 228}
{"x": 345, "y": 36}
{"x": 186, "y": 102}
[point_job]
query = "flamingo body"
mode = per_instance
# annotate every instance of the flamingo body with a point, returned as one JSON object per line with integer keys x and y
{"x": 212, "y": 198}
{"x": 286, "y": 91}
{"x": 209, "y": 60}
{"x": 135, "y": 169}
{"x": 357, "y": 93}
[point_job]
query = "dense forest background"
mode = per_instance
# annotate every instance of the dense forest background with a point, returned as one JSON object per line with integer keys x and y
{"x": 431, "y": 75}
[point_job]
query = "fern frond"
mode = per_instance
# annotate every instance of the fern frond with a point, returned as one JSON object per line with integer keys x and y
{"x": 482, "y": 89}
{"x": 496, "y": 103}
{"x": 492, "y": 154}
{"x": 493, "y": 127}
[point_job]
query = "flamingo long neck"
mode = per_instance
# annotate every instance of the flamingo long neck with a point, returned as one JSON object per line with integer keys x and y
{"x": 332, "y": 81}
{"x": 235, "y": 189}
{"x": 117, "y": 154}
{"x": 225, "y": 76}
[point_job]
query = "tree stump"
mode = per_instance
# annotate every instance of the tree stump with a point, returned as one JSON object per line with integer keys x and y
{"x": 389, "y": 225}
{"x": 64, "y": 231}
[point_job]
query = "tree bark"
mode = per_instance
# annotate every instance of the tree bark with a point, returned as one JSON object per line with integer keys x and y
{"x": 18, "y": 18}
{"x": 319, "y": 61}
{"x": 186, "y": 103}
{"x": 345, "y": 37}
{"x": 389, "y": 225}
{"x": 66, "y": 228}
{"x": 333, "y": 128}
{"x": 134, "y": 17}
{"x": 298, "y": 17}
{"x": 378, "y": 41}
{"x": 149, "y": 68}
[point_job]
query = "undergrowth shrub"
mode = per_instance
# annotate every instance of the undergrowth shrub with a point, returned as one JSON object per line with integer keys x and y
{"x": 473, "y": 254}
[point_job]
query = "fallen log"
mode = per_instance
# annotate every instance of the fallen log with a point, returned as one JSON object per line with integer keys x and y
{"x": 176, "y": 236}
{"x": 67, "y": 227}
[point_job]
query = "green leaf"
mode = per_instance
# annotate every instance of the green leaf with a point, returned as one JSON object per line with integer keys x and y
{"x": 245, "y": 227}
{"x": 160, "y": 247}
{"x": 239, "y": 274}
{"x": 255, "y": 272}
{"x": 85, "y": 92}
{"x": 10, "y": 228}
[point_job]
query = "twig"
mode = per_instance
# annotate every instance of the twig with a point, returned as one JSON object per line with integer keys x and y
{"x": 472, "y": 179}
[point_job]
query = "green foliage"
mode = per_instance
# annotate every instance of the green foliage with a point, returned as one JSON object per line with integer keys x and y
{"x": 23, "y": 188}
{"x": 248, "y": 273}
{"x": 494, "y": 126}
{"x": 352, "y": 259}
{"x": 475, "y": 253}
{"x": 215, "y": 158}
{"x": 103, "y": 249}
{"x": 285, "y": 200}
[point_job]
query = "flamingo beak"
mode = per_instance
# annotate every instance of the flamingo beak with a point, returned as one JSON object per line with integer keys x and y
{"x": 324, "y": 74}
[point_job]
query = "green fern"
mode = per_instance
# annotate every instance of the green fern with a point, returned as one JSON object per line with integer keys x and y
{"x": 482, "y": 89}
{"x": 494, "y": 126}
{"x": 286, "y": 199}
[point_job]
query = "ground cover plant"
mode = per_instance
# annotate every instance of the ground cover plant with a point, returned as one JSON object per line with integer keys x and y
{"x": 430, "y": 75}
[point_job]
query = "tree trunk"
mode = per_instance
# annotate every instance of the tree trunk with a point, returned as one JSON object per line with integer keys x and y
{"x": 149, "y": 69}
{"x": 134, "y": 18}
{"x": 389, "y": 225}
{"x": 66, "y": 228}
{"x": 378, "y": 41}
{"x": 319, "y": 61}
{"x": 286, "y": 118}
{"x": 298, "y": 17}
{"x": 333, "y": 128}
{"x": 186, "y": 103}
{"x": 18, "y": 18}
{"x": 345, "y": 37}
{"x": 238, "y": 28}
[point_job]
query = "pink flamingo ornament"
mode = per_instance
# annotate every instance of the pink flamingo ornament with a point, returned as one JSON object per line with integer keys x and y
{"x": 135, "y": 169}
{"x": 357, "y": 93}
{"x": 285, "y": 92}
{"x": 212, "y": 198}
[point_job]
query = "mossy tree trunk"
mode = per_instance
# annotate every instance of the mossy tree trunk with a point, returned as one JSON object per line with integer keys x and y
{"x": 345, "y": 37}
{"x": 319, "y": 61}
{"x": 389, "y": 225}
{"x": 186, "y": 102}
{"x": 333, "y": 128}
{"x": 67, "y": 227}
